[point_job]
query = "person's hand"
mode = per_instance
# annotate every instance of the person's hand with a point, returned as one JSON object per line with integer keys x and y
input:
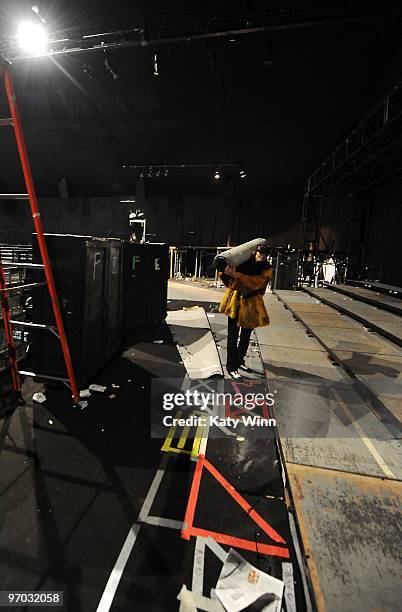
{"x": 229, "y": 271}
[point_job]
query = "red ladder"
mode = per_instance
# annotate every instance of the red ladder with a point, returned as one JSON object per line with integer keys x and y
{"x": 58, "y": 330}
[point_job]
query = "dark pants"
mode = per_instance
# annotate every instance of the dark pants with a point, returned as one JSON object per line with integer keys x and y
{"x": 236, "y": 352}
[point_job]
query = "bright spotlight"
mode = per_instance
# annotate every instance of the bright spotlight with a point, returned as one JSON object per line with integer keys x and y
{"x": 32, "y": 37}
{"x": 217, "y": 175}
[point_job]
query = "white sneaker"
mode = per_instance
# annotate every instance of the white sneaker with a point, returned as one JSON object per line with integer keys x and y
{"x": 234, "y": 374}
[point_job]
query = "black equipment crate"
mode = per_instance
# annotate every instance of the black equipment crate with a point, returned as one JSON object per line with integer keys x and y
{"x": 145, "y": 281}
{"x": 87, "y": 274}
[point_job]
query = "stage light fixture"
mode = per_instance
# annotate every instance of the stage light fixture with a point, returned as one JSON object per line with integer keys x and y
{"x": 32, "y": 37}
{"x": 217, "y": 175}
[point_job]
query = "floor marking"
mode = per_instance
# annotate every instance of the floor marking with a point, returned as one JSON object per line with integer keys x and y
{"x": 216, "y": 549}
{"x": 153, "y": 489}
{"x": 296, "y": 546}
{"x": 199, "y": 560}
{"x": 204, "y": 440}
{"x": 169, "y": 437}
{"x": 287, "y": 577}
{"x": 160, "y": 521}
{"x": 198, "y": 435}
{"x": 183, "y": 438}
{"x": 194, "y": 452}
{"x": 114, "y": 579}
{"x": 197, "y": 584}
{"x": 192, "y": 602}
{"x": 189, "y": 530}
{"x": 370, "y": 446}
{"x": 192, "y": 500}
{"x": 115, "y": 576}
{"x": 222, "y": 538}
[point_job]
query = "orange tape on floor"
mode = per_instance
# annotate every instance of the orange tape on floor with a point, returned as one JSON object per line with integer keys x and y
{"x": 189, "y": 530}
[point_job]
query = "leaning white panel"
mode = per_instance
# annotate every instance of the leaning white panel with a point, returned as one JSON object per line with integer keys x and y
{"x": 192, "y": 334}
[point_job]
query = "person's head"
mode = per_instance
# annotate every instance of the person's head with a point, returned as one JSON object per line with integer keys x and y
{"x": 262, "y": 252}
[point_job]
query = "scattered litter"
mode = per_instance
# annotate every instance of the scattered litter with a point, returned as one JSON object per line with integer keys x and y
{"x": 116, "y": 386}
{"x": 83, "y": 404}
{"x": 99, "y": 388}
{"x": 85, "y": 393}
{"x": 112, "y": 396}
{"x": 158, "y": 341}
{"x": 39, "y": 397}
{"x": 50, "y": 422}
{"x": 241, "y": 584}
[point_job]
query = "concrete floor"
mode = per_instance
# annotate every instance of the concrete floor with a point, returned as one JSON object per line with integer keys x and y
{"x": 341, "y": 445}
{"x": 90, "y": 505}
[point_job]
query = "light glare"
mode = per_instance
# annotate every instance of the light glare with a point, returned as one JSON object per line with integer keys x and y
{"x": 32, "y": 37}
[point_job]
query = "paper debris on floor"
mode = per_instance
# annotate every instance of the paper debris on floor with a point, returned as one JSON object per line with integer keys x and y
{"x": 83, "y": 404}
{"x": 241, "y": 584}
{"x": 99, "y": 388}
{"x": 85, "y": 393}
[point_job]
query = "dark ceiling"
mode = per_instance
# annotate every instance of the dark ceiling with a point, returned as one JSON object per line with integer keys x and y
{"x": 214, "y": 100}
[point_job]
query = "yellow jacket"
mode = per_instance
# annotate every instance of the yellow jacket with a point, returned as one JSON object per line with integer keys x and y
{"x": 243, "y": 299}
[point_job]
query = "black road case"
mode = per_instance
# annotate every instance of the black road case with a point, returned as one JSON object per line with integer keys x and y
{"x": 87, "y": 273}
{"x": 145, "y": 281}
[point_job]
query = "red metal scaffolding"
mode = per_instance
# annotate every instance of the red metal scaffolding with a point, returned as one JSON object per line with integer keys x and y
{"x": 15, "y": 122}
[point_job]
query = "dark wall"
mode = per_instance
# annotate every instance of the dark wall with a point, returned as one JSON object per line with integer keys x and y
{"x": 369, "y": 230}
{"x": 190, "y": 220}
{"x": 216, "y": 220}
{"x": 214, "y": 101}
{"x": 384, "y": 237}
{"x": 92, "y": 216}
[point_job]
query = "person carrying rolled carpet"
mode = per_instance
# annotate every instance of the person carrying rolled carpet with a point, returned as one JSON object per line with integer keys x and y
{"x": 244, "y": 306}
